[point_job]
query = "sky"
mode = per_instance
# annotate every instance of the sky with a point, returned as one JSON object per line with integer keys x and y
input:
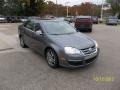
{"x": 76, "y": 2}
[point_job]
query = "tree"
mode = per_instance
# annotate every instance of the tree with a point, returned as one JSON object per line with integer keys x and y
{"x": 35, "y": 7}
{"x": 23, "y": 7}
{"x": 40, "y": 6}
{"x": 85, "y": 9}
{"x": 115, "y": 5}
{"x": 1, "y": 6}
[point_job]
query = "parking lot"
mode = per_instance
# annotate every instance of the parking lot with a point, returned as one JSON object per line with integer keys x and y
{"x": 24, "y": 69}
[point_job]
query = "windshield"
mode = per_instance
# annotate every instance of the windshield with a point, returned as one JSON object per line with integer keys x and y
{"x": 57, "y": 27}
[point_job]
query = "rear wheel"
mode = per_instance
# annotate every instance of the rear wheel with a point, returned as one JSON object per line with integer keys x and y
{"x": 52, "y": 58}
{"x": 77, "y": 30}
{"x": 22, "y": 42}
{"x": 90, "y": 30}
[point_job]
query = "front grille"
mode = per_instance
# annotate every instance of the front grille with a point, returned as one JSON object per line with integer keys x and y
{"x": 88, "y": 51}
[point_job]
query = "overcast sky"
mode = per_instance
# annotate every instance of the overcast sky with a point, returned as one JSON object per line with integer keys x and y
{"x": 76, "y": 2}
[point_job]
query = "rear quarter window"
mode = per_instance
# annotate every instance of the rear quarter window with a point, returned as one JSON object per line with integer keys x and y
{"x": 29, "y": 25}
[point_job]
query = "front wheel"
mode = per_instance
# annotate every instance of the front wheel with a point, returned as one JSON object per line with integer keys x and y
{"x": 52, "y": 58}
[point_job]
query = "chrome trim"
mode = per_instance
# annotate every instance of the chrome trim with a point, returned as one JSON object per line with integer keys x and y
{"x": 87, "y": 56}
{"x": 91, "y": 55}
{"x": 94, "y": 51}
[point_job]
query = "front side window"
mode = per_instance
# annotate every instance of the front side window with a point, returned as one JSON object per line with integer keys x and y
{"x": 37, "y": 27}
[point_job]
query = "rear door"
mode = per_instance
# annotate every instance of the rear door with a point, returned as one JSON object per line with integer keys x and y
{"x": 28, "y": 33}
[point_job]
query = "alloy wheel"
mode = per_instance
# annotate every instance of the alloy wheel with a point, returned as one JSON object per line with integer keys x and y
{"x": 52, "y": 58}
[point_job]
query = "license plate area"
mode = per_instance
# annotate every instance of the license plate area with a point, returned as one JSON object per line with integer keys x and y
{"x": 90, "y": 56}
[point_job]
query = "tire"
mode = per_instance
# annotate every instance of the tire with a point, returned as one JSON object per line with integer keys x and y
{"x": 52, "y": 58}
{"x": 23, "y": 45}
{"x": 90, "y": 30}
{"x": 77, "y": 30}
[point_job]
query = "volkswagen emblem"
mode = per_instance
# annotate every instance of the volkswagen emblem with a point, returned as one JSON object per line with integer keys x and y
{"x": 90, "y": 49}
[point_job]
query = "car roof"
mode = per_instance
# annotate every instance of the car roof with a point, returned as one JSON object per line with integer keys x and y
{"x": 112, "y": 17}
{"x": 83, "y": 16}
{"x": 45, "y": 20}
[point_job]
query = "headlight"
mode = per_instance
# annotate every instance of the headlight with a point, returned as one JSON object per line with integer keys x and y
{"x": 96, "y": 44}
{"x": 71, "y": 50}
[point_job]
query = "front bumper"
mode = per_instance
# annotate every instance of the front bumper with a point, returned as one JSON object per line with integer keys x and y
{"x": 78, "y": 61}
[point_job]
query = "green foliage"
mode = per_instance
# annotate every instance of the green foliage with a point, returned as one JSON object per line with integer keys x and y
{"x": 1, "y": 2}
{"x": 40, "y": 6}
{"x": 1, "y": 6}
{"x": 115, "y": 5}
{"x": 24, "y": 7}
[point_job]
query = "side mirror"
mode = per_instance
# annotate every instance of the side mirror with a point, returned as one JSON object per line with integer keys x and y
{"x": 39, "y": 32}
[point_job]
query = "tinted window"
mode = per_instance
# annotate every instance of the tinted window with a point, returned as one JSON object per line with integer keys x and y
{"x": 37, "y": 27}
{"x": 57, "y": 27}
{"x": 30, "y": 25}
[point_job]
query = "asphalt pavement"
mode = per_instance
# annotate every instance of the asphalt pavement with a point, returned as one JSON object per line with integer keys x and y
{"x": 24, "y": 69}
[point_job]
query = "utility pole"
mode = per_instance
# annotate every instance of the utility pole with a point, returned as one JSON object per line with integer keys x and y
{"x": 1, "y": 6}
{"x": 102, "y": 10}
{"x": 67, "y": 8}
{"x": 67, "y": 11}
{"x": 56, "y": 8}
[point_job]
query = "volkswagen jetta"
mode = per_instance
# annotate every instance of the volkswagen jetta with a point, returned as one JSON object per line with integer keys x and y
{"x": 59, "y": 42}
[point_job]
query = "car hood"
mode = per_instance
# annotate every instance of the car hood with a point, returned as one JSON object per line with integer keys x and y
{"x": 76, "y": 40}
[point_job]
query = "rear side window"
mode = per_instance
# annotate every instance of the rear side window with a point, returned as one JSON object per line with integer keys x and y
{"x": 37, "y": 27}
{"x": 30, "y": 25}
